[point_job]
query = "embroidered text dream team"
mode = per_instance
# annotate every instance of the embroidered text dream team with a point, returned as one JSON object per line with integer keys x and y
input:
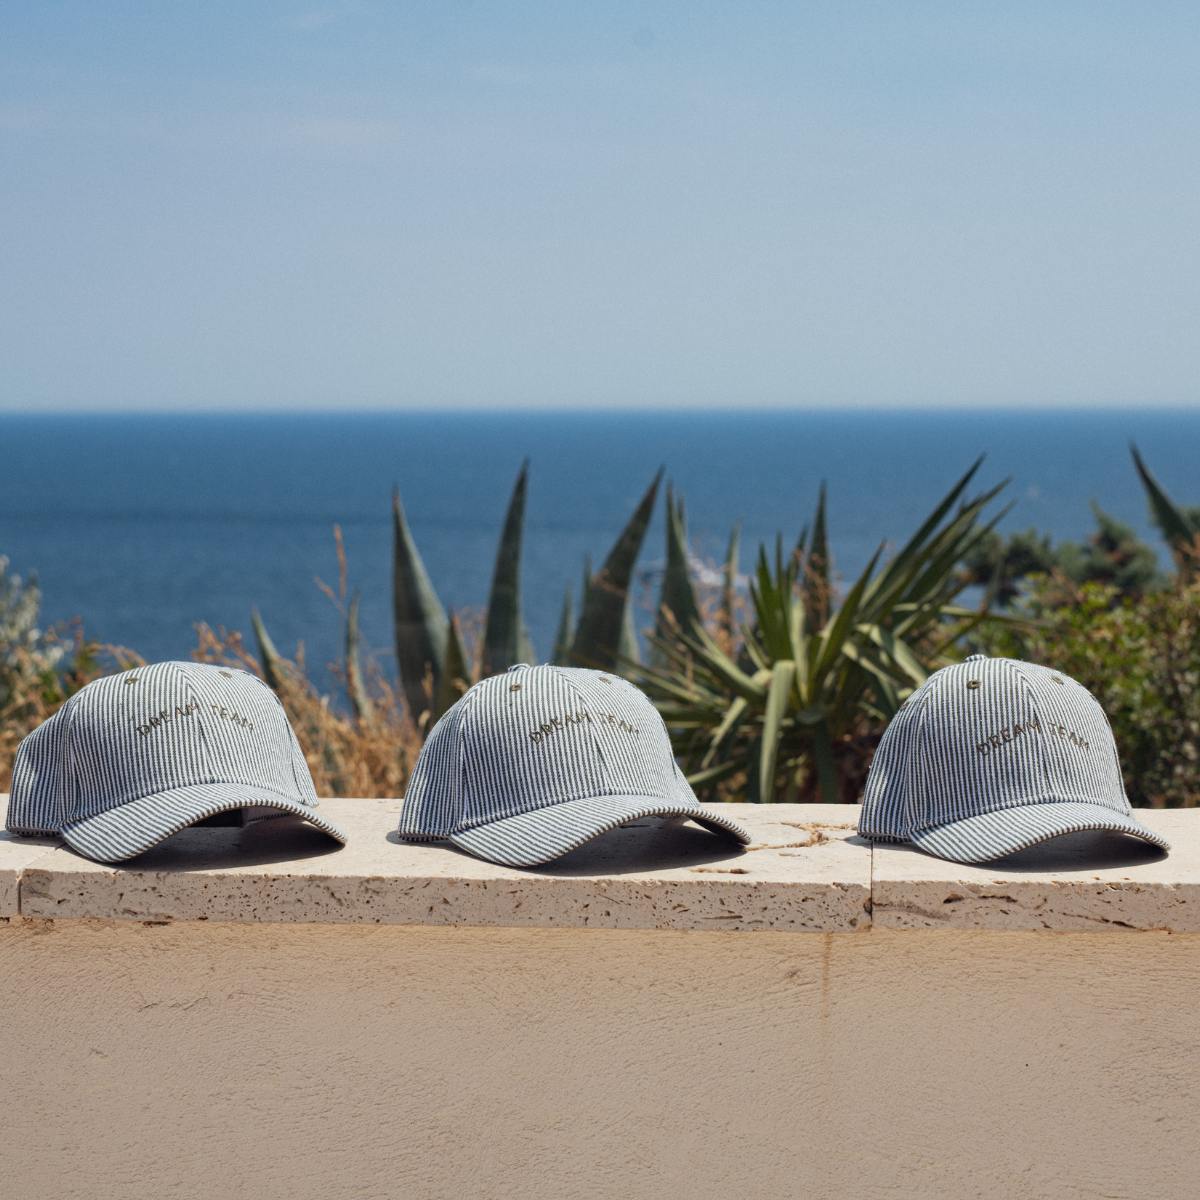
{"x": 580, "y": 718}
{"x": 994, "y": 741}
{"x": 164, "y": 715}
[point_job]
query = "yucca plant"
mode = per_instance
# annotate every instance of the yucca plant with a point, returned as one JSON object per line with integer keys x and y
{"x": 792, "y": 711}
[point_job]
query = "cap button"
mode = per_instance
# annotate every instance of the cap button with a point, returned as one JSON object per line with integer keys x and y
{"x": 518, "y": 667}
{"x": 976, "y": 658}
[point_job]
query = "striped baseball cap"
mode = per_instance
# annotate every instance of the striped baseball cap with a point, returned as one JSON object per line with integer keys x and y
{"x": 531, "y": 764}
{"x": 133, "y": 758}
{"x": 992, "y": 755}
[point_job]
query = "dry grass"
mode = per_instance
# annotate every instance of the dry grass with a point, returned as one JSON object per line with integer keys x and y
{"x": 348, "y": 756}
{"x": 31, "y": 692}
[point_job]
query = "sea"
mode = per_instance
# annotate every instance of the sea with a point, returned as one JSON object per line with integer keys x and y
{"x": 140, "y": 526}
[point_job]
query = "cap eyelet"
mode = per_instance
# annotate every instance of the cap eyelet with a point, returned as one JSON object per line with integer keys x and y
{"x": 973, "y": 684}
{"x": 1059, "y": 680}
{"x": 132, "y": 679}
{"x": 227, "y": 674}
{"x": 514, "y": 687}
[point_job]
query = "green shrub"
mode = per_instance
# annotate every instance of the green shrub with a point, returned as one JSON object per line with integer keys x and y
{"x": 1140, "y": 657}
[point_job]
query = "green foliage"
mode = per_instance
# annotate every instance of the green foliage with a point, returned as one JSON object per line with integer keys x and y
{"x": 793, "y": 711}
{"x": 1000, "y": 564}
{"x": 1140, "y": 657}
{"x": 1112, "y": 555}
{"x": 780, "y": 690}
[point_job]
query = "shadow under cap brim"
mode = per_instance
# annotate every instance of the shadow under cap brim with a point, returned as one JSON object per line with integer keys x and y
{"x": 134, "y": 827}
{"x": 529, "y": 839}
{"x": 990, "y": 835}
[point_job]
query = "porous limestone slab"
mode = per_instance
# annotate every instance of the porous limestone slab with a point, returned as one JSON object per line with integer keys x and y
{"x": 1084, "y": 881}
{"x": 805, "y": 870}
{"x": 15, "y": 855}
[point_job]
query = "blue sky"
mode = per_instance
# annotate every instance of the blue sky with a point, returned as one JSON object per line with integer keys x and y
{"x": 378, "y": 205}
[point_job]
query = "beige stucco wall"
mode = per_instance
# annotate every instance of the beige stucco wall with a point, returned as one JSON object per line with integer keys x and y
{"x": 201, "y": 1059}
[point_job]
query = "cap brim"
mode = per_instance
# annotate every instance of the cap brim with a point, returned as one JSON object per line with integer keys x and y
{"x": 994, "y": 834}
{"x": 133, "y": 827}
{"x": 532, "y": 838}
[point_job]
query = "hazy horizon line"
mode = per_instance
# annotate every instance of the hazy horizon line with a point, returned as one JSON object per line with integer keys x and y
{"x": 1082, "y": 408}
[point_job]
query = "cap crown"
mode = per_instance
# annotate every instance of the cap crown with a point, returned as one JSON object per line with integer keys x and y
{"x": 534, "y": 737}
{"x": 988, "y": 734}
{"x": 151, "y": 730}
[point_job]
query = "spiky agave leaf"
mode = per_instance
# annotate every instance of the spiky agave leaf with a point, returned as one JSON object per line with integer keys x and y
{"x": 421, "y": 625}
{"x": 1179, "y": 528}
{"x": 356, "y": 687}
{"x": 729, "y": 576}
{"x": 598, "y": 637}
{"x": 273, "y": 668}
{"x": 628, "y": 651}
{"x": 783, "y": 675}
{"x": 525, "y": 650}
{"x": 503, "y": 631}
{"x": 566, "y": 629}
{"x": 456, "y": 675}
{"x": 677, "y": 604}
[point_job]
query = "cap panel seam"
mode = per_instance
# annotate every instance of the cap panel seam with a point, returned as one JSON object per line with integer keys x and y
{"x": 210, "y": 759}
{"x": 1044, "y": 772}
{"x": 914, "y": 807}
{"x": 458, "y": 797}
{"x": 595, "y": 739}
{"x": 1011, "y": 666}
{"x": 68, "y": 759}
{"x": 1044, "y": 765}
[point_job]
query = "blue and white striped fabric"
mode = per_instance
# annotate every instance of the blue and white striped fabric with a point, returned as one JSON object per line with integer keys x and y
{"x": 133, "y": 758}
{"x": 992, "y": 755}
{"x": 530, "y": 764}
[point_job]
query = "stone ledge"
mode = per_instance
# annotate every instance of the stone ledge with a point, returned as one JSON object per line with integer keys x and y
{"x": 1085, "y": 881}
{"x": 806, "y": 871}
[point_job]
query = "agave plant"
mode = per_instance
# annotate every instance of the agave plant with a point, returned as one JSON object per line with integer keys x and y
{"x": 791, "y": 711}
{"x": 1179, "y": 526}
{"x": 604, "y": 636}
{"x": 433, "y": 660}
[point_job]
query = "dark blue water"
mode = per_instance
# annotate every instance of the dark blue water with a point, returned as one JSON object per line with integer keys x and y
{"x": 144, "y": 525}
